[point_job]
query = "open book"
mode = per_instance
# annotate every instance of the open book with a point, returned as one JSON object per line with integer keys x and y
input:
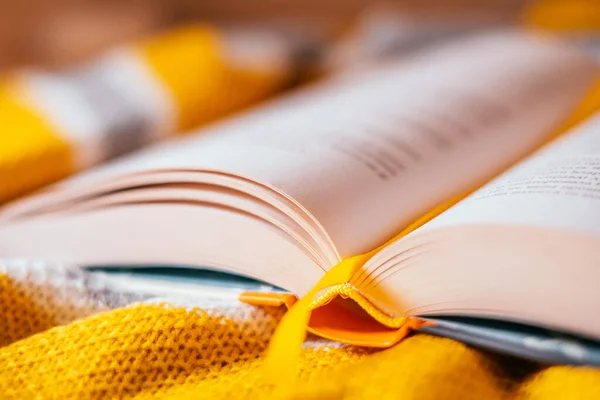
{"x": 285, "y": 193}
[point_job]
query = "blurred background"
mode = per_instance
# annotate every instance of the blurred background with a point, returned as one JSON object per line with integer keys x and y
{"x": 54, "y": 33}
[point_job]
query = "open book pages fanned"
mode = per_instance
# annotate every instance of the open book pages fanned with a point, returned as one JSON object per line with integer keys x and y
{"x": 286, "y": 192}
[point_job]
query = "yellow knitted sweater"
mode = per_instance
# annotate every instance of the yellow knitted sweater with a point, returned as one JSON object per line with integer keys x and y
{"x": 66, "y": 334}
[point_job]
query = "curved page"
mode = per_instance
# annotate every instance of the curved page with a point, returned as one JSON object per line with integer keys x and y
{"x": 524, "y": 247}
{"x": 366, "y": 155}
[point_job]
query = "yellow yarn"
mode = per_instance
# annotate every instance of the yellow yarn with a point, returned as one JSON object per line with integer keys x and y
{"x": 192, "y": 63}
{"x": 563, "y": 15}
{"x": 31, "y": 155}
{"x": 159, "y": 350}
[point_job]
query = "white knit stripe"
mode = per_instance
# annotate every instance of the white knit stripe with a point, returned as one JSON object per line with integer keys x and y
{"x": 139, "y": 83}
{"x": 105, "y": 108}
{"x": 62, "y": 106}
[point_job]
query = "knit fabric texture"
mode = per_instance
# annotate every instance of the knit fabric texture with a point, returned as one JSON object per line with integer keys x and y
{"x": 65, "y": 333}
{"x": 189, "y": 64}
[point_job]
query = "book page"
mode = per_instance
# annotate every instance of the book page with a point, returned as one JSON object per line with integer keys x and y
{"x": 523, "y": 248}
{"x": 557, "y": 188}
{"x": 367, "y": 154}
